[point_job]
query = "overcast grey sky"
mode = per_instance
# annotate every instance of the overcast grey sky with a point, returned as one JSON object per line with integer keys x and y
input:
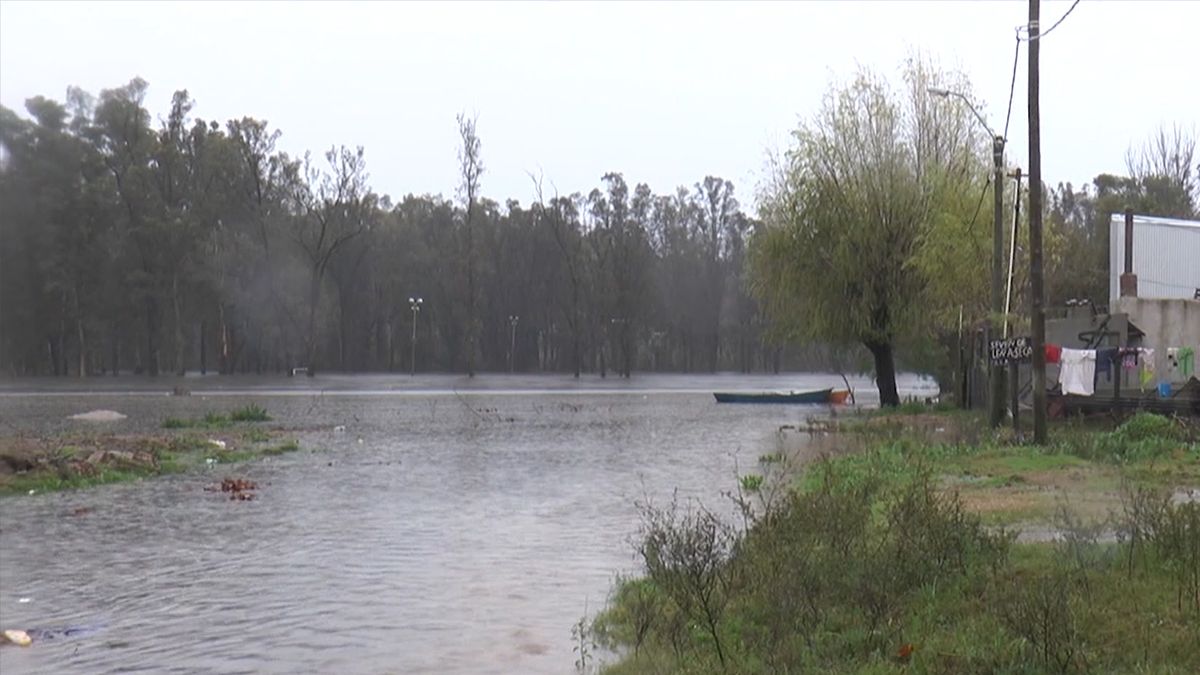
{"x": 663, "y": 92}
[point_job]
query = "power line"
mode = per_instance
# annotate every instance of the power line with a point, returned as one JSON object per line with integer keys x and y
{"x": 1056, "y": 23}
{"x": 1012, "y": 87}
{"x": 982, "y": 194}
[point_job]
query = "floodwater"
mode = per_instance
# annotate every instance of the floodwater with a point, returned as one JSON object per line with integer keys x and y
{"x": 454, "y": 526}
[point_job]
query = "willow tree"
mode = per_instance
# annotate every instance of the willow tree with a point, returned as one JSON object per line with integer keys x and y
{"x": 866, "y": 231}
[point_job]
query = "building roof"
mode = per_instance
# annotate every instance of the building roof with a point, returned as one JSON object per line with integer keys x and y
{"x": 1156, "y": 220}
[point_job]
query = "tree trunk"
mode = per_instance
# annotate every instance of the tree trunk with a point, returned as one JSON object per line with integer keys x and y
{"x": 151, "y": 335}
{"x": 310, "y": 348}
{"x": 223, "y": 365}
{"x": 116, "y": 352}
{"x": 82, "y": 348}
{"x": 885, "y": 372}
{"x": 180, "y": 368}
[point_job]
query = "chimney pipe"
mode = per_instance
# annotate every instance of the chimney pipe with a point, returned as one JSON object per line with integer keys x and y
{"x": 1129, "y": 279}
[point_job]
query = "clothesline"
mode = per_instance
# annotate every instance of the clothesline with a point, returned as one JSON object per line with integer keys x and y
{"x": 1080, "y": 368}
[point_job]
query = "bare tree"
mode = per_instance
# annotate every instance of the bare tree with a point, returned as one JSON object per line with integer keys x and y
{"x": 1169, "y": 155}
{"x": 335, "y": 207}
{"x": 470, "y": 169}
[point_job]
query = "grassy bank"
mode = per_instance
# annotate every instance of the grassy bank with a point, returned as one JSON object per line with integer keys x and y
{"x": 81, "y": 459}
{"x": 904, "y": 556}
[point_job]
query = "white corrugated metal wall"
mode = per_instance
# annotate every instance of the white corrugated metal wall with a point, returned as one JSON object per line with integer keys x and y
{"x": 1166, "y": 257}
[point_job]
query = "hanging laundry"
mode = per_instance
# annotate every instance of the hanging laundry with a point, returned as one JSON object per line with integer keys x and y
{"x": 1106, "y": 360}
{"x": 1053, "y": 353}
{"x": 1181, "y": 362}
{"x": 1129, "y": 359}
{"x": 1146, "y": 375}
{"x": 1078, "y": 372}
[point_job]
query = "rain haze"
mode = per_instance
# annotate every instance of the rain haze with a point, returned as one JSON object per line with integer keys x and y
{"x": 665, "y": 93}
{"x": 537, "y": 337}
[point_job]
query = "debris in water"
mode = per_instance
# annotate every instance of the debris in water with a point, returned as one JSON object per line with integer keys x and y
{"x": 17, "y": 637}
{"x": 24, "y": 600}
{"x": 99, "y": 416}
{"x": 238, "y": 489}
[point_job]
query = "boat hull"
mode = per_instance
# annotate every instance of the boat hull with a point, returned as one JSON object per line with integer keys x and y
{"x": 820, "y": 396}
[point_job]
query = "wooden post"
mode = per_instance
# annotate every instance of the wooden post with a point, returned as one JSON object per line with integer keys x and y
{"x": 1035, "y": 231}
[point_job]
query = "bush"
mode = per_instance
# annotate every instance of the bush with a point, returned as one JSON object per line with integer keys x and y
{"x": 1145, "y": 436}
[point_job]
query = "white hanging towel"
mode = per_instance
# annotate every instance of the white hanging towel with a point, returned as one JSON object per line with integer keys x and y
{"x": 1077, "y": 371}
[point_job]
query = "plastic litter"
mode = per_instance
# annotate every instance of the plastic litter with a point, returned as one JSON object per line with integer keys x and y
{"x": 24, "y": 600}
{"x": 17, "y": 637}
{"x": 340, "y": 428}
{"x": 217, "y": 443}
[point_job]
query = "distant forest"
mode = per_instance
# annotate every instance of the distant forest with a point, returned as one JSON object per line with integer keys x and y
{"x": 131, "y": 246}
{"x": 188, "y": 244}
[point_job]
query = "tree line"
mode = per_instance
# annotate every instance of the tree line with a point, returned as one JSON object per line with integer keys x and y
{"x": 189, "y": 244}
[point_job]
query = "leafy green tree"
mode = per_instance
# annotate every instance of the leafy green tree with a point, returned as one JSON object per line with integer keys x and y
{"x": 847, "y": 251}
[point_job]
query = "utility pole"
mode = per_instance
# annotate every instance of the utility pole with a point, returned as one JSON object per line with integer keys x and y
{"x": 1014, "y": 375}
{"x": 996, "y": 372}
{"x": 1035, "y": 232}
{"x": 415, "y": 305}
{"x": 512, "y": 341}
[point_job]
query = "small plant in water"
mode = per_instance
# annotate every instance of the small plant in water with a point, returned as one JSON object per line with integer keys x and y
{"x": 250, "y": 413}
{"x": 751, "y": 482}
{"x": 581, "y": 635}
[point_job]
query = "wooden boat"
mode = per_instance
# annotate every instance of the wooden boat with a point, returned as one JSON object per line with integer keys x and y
{"x": 818, "y": 396}
{"x": 839, "y": 396}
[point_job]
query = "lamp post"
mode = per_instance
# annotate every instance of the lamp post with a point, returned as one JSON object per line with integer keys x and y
{"x": 415, "y": 305}
{"x": 512, "y": 340}
{"x": 996, "y": 391}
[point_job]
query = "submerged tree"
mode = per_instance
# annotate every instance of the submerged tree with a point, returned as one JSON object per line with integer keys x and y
{"x": 856, "y": 212}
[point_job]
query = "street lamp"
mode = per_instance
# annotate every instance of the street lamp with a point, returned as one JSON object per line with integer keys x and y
{"x": 996, "y": 402}
{"x": 415, "y": 305}
{"x": 512, "y": 340}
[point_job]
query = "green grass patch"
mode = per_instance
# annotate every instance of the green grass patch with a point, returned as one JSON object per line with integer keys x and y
{"x": 52, "y": 481}
{"x": 290, "y": 445}
{"x": 128, "y": 458}
{"x": 215, "y": 420}
{"x": 250, "y": 413}
{"x": 255, "y": 435}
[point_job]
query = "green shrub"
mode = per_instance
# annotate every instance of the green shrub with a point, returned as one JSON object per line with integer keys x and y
{"x": 1143, "y": 436}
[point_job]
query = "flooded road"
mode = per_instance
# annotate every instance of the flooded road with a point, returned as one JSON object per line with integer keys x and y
{"x": 454, "y": 526}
